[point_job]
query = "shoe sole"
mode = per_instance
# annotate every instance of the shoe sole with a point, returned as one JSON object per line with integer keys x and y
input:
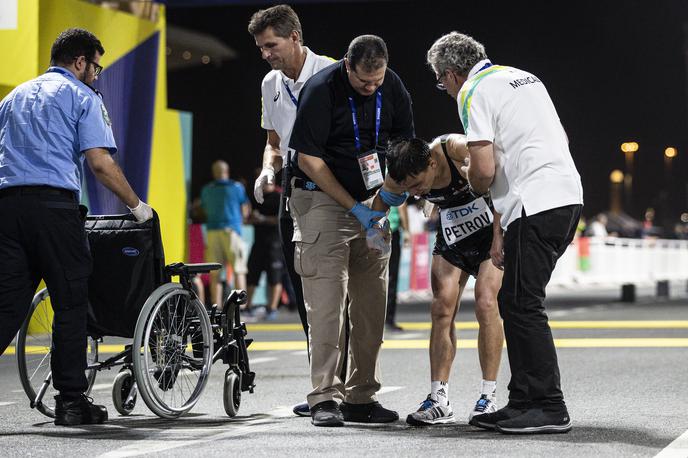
{"x": 480, "y": 424}
{"x": 328, "y": 423}
{"x": 438, "y": 421}
{"x": 546, "y": 429}
{"x": 306, "y": 413}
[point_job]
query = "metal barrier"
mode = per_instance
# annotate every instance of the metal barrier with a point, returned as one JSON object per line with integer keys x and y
{"x": 605, "y": 262}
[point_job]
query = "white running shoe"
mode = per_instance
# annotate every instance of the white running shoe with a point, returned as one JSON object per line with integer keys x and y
{"x": 486, "y": 404}
{"x": 431, "y": 413}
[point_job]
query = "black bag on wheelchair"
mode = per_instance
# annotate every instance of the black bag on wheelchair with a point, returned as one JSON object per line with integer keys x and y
{"x": 128, "y": 264}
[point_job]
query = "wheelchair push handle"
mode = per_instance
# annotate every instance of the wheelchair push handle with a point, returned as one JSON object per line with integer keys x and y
{"x": 236, "y": 297}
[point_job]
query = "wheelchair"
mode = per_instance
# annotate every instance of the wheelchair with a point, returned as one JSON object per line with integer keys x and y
{"x": 175, "y": 338}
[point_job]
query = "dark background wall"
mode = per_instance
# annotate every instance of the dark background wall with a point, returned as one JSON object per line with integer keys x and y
{"x": 616, "y": 71}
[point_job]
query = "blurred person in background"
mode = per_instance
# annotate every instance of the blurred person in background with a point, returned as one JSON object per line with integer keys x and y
{"x": 398, "y": 224}
{"x": 226, "y": 207}
{"x": 266, "y": 252}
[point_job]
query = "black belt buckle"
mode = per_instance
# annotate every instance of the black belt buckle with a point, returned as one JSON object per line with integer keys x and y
{"x": 306, "y": 185}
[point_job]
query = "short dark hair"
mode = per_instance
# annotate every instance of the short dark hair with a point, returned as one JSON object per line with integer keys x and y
{"x": 282, "y": 19}
{"x": 407, "y": 157}
{"x": 73, "y": 43}
{"x": 368, "y": 51}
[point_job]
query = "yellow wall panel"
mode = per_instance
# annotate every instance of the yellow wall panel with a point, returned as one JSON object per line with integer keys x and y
{"x": 118, "y": 32}
{"x": 166, "y": 188}
{"x": 19, "y": 47}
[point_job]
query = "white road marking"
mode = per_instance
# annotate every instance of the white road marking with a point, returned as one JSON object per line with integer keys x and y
{"x": 389, "y": 389}
{"x": 299, "y": 353}
{"x": 6, "y": 403}
{"x": 261, "y": 424}
{"x": 677, "y": 449}
{"x": 407, "y": 335}
{"x": 266, "y": 359}
{"x": 101, "y": 387}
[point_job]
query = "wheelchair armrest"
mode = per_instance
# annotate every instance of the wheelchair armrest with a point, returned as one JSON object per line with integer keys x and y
{"x": 179, "y": 268}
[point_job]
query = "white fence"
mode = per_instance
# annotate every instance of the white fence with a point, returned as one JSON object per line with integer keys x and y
{"x": 609, "y": 262}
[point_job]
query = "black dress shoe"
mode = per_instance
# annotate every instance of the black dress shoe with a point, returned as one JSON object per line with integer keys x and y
{"x": 302, "y": 410}
{"x": 537, "y": 421}
{"x": 79, "y": 411}
{"x": 489, "y": 420}
{"x": 372, "y": 412}
{"x": 326, "y": 413}
{"x": 393, "y": 327}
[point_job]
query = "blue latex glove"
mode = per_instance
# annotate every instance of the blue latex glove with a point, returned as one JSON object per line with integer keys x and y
{"x": 367, "y": 216}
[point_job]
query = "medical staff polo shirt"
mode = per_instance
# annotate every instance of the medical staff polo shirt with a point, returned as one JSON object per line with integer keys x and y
{"x": 279, "y": 110}
{"x": 324, "y": 124}
{"x": 534, "y": 168}
{"x": 45, "y": 126}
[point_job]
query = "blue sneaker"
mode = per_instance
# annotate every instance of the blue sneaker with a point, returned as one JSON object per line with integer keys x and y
{"x": 271, "y": 315}
{"x": 302, "y": 410}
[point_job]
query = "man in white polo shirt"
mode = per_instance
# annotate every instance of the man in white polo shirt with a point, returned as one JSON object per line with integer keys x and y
{"x": 519, "y": 151}
{"x": 278, "y": 35}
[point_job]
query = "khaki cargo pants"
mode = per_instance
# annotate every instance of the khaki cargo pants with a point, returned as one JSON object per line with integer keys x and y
{"x": 333, "y": 259}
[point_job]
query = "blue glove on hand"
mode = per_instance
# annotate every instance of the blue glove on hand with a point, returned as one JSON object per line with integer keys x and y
{"x": 367, "y": 216}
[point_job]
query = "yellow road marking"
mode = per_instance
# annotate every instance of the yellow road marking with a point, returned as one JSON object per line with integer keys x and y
{"x": 404, "y": 344}
{"x": 421, "y": 326}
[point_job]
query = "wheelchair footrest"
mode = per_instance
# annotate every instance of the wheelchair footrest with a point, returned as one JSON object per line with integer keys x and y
{"x": 247, "y": 381}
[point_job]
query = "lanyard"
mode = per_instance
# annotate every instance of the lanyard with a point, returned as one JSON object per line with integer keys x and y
{"x": 291, "y": 96}
{"x": 378, "y": 112}
{"x": 68, "y": 74}
{"x": 60, "y": 70}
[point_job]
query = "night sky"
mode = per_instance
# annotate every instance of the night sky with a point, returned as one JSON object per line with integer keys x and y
{"x": 616, "y": 71}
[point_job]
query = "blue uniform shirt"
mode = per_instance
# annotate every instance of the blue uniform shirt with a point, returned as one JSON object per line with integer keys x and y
{"x": 222, "y": 201}
{"x": 45, "y": 126}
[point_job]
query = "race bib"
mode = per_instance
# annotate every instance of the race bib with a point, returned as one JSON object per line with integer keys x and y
{"x": 371, "y": 171}
{"x": 460, "y": 222}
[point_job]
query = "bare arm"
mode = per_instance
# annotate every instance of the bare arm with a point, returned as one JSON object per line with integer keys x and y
{"x": 320, "y": 173}
{"x": 497, "y": 248}
{"x": 272, "y": 158}
{"x": 481, "y": 170}
{"x": 110, "y": 175}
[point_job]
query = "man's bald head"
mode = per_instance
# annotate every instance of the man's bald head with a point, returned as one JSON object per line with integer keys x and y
{"x": 220, "y": 170}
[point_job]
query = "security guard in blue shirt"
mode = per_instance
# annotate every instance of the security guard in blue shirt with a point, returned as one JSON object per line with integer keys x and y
{"x": 47, "y": 127}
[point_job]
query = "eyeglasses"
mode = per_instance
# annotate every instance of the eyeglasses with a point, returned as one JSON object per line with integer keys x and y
{"x": 439, "y": 84}
{"x": 97, "y": 69}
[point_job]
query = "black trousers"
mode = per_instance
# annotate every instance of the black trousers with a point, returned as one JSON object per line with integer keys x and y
{"x": 532, "y": 246}
{"x": 42, "y": 237}
{"x": 286, "y": 232}
{"x": 394, "y": 259}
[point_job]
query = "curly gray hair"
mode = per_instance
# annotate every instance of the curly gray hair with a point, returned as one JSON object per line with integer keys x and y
{"x": 457, "y": 52}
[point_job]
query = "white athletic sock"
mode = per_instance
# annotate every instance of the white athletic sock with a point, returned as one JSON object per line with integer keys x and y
{"x": 440, "y": 392}
{"x": 488, "y": 387}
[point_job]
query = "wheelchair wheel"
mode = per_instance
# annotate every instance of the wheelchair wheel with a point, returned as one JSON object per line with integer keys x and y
{"x": 172, "y": 350}
{"x": 124, "y": 382}
{"x": 231, "y": 394}
{"x": 34, "y": 347}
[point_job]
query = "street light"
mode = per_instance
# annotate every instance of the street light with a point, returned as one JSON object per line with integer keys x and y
{"x": 629, "y": 149}
{"x": 615, "y": 180}
{"x": 669, "y": 154}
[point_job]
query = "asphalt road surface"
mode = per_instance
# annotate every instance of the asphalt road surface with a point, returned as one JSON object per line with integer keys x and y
{"x": 624, "y": 371}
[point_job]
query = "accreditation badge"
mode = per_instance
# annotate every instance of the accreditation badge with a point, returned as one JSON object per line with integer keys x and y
{"x": 464, "y": 220}
{"x": 369, "y": 163}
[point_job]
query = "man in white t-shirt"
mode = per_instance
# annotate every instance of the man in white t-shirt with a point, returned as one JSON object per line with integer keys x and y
{"x": 278, "y": 35}
{"x": 519, "y": 152}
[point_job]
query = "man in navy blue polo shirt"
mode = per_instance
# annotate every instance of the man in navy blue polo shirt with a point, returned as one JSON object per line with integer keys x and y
{"x": 47, "y": 127}
{"x": 347, "y": 113}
